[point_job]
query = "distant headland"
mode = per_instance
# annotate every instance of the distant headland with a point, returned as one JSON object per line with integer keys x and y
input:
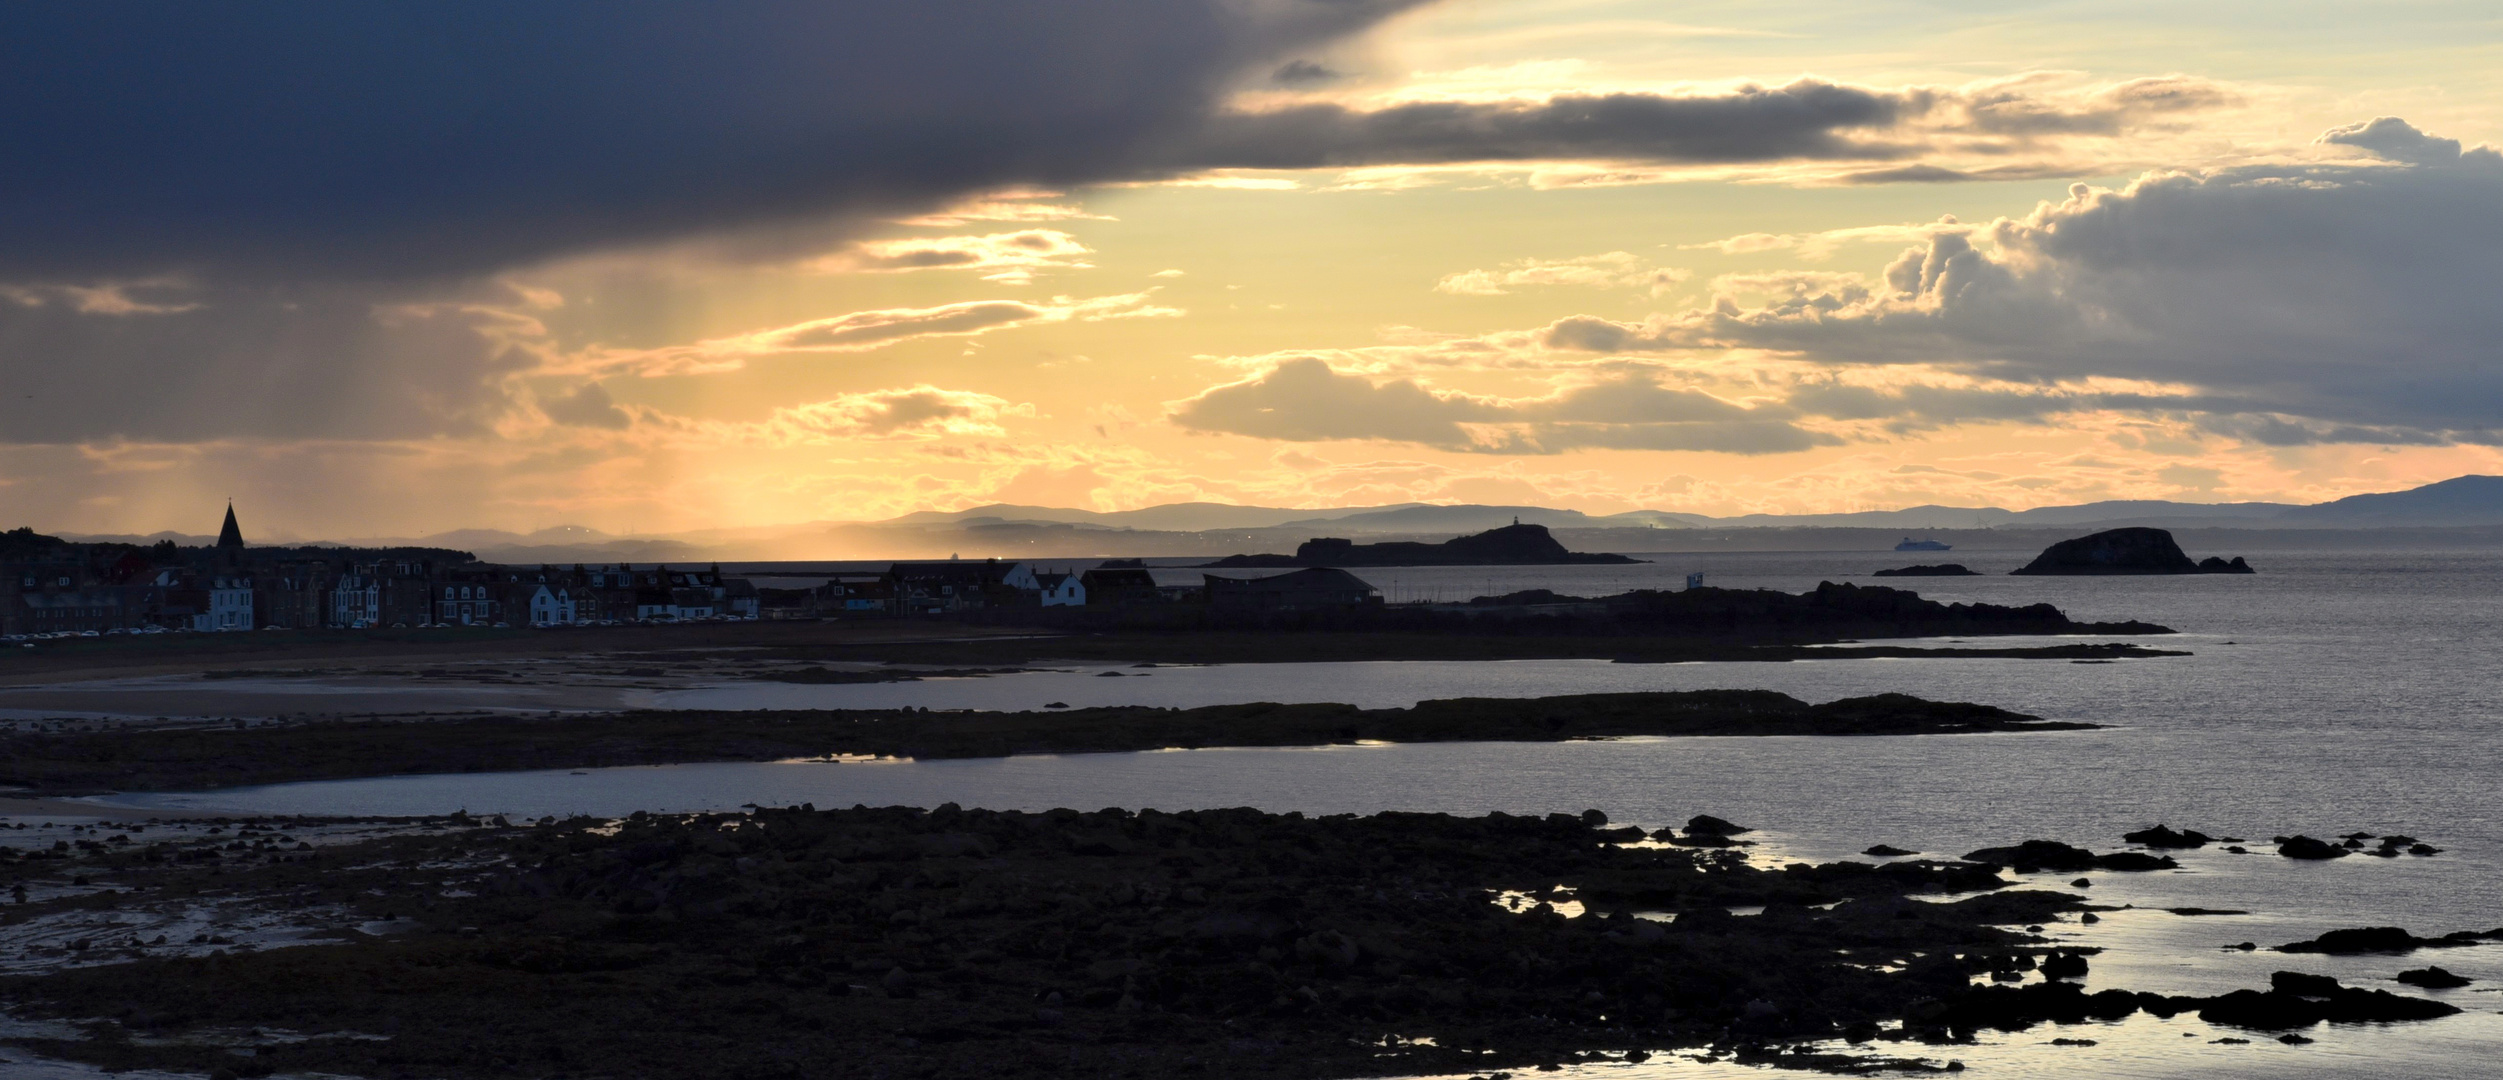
{"x": 1511, "y": 545}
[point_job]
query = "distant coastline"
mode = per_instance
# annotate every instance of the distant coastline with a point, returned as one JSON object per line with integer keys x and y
{"x": 1511, "y": 545}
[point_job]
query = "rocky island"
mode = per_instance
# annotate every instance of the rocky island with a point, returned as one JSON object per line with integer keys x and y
{"x": 2126, "y": 551}
{"x": 1512, "y": 545}
{"x": 1936, "y": 570}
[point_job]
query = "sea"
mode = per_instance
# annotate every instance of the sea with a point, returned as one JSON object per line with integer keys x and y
{"x": 2333, "y": 692}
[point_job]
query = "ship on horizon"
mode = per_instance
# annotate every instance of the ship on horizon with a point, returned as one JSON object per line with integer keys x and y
{"x": 1910, "y": 544}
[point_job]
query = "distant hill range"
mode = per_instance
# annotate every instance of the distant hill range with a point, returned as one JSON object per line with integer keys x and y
{"x": 1210, "y": 530}
{"x": 1516, "y": 544}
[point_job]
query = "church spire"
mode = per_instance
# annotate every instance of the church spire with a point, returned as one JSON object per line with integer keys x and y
{"x": 232, "y": 535}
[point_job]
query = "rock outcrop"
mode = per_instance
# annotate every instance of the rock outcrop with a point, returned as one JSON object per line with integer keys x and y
{"x": 1938, "y": 570}
{"x": 1512, "y": 545}
{"x": 2126, "y": 551}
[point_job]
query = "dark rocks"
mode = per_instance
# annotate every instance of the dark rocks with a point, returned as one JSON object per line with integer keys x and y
{"x": 1707, "y": 825}
{"x": 2295, "y": 999}
{"x": 1937, "y": 570}
{"x": 2132, "y": 550}
{"x": 2162, "y": 837}
{"x": 2064, "y": 965}
{"x": 2304, "y": 847}
{"x": 2434, "y": 978}
{"x": 2135, "y": 860}
{"x": 1887, "y": 851}
{"x": 2385, "y": 939}
{"x": 2035, "y": 855}
{"x": 1704, "y": 830}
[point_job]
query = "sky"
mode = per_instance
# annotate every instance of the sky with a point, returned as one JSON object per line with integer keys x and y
{"x": 395, "y": 269}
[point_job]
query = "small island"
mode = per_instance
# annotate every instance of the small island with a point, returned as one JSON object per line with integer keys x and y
{"x": 2125, "y": 551}
{"x": 1512, "y": 545}
{"x": 1937, "y": 570}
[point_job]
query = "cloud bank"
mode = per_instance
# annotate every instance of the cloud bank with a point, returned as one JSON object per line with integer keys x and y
{"x": 2337, "y": 302}
{"x": 1305, "y": 400}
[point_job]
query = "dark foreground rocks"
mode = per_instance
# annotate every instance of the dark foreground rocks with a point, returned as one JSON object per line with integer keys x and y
{"x": 1233, "y": 943}
{"x": 903, "y": 942}
{"x": 191, "y": 759}
{"x": 2134, "y": 550}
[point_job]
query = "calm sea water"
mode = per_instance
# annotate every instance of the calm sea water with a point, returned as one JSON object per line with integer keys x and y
{"x": 2332, "y": 692}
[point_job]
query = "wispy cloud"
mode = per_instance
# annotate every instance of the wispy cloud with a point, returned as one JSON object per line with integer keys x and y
{"x": 1013, "y": 204}
{"x": 118, "y": 298}
{"x": 1010, "y": 258}
{"x": 860, "y": 331}
{"x": 1609, "y": 270}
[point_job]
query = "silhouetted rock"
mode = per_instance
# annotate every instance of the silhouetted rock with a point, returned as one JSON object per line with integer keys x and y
{"x": 2304, "y": 847}
{"x": 2385, "y": 939}
{"x": 1512, "y": 545}
{"x": 1938, "y": 570}
{"x": 2433, "y": 978}
{"x": 2162, "y": 837}
{"x": 1707, "y": 825}
{"x": 2064, "y": 965}
{"x": 2035, "y": 855}
{"x": 1888, "y": 851}
{"x": 2295, "y": 999}
{"x": 2134, "y": 550}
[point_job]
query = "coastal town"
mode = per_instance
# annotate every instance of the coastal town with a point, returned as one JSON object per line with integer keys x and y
{"x": 59, "y": 588}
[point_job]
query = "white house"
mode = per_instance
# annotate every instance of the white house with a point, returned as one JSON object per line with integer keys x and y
{"x": 1062, "y": 590}
{"x": 552, "y": 606}
{"x": 356, "y": 601}
{"x": 230, "y": 605}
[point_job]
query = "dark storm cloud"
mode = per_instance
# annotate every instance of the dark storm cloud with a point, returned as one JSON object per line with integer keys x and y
{"x": 407, "y": 139}
{"x": 281, "y": 219}
{"x": 1803, "y": 119}
{"x": 341, "y": 362}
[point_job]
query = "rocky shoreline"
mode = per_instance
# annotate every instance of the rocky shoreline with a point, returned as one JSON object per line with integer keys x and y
{"x": 192, "y": 758}
{"x": 904, "y": 942}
